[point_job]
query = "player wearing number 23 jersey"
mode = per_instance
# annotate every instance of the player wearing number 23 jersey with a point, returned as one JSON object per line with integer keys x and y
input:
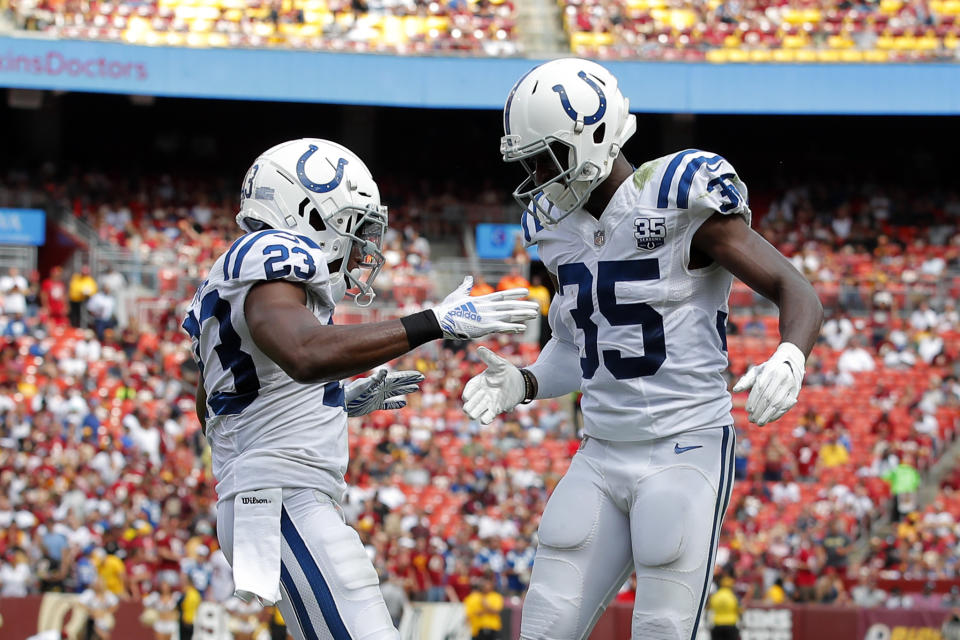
{"x": 643, "y": 260}
{"x": 270, "y": 398}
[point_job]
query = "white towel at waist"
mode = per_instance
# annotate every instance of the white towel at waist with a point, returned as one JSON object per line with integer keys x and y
{"x": 257, "y": 544}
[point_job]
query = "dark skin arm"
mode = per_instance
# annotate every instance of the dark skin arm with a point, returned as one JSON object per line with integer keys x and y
{"x": 202, "y": 404}
{"x": 728, "y": 240}
{"x": 308, "y": 351}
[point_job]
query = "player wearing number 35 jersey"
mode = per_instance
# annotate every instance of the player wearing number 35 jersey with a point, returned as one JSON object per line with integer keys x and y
{"x": 643, "y": 260}
{"x": 270, "y": 398}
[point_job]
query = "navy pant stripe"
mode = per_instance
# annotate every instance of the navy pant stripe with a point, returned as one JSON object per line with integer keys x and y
{"x": 314, "y": 577}
{"x": 726, "y": 461}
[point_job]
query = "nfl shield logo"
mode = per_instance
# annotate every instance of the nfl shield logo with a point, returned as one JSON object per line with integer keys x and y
{"x": 598, "y": 238}
{"x": 650, "y": 233}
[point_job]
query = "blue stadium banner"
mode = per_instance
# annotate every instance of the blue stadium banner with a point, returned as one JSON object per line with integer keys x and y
{"x": 469, "y": 82}
{"x": 23, "y": 227}
{"x": 497, "y": 241}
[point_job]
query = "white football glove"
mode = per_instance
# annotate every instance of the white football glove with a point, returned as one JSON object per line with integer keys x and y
{"x": 775, "y": 384}
{"x": 499, "y": 388}
{"x": 462, "y": 317}
{"x": 382, "y": 390}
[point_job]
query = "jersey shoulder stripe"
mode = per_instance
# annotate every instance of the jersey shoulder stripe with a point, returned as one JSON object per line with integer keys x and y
{"x": 245, "y": 243}
{"x": 531, "y": 225}
{"x": 691, "y": 160}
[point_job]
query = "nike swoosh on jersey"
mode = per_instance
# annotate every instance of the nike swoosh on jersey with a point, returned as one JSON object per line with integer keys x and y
{"x": 677, "y": 449}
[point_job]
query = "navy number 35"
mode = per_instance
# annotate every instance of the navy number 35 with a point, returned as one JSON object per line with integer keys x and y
{"x": 641, "y": 314}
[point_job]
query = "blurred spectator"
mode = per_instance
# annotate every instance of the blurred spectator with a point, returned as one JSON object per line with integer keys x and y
{"x": 724, "y": 611}
{"x": 102, "y": 308}
{"x": 904, "y": 481}
{"x": 483, "y": 607}
{"x": 82, "y": 287}
{"x": 951, "y": 626}
{"x": 866, "y": 593}
{"x": 394, "y": 596}
{"x": 837, "y": 545}
{"x": 53, "y": 296}
{"x": 100, "y": 605}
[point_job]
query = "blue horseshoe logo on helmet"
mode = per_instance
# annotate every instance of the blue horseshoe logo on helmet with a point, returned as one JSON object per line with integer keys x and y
{"x": 565, "y": 101}
{"x": 315, "y": 186}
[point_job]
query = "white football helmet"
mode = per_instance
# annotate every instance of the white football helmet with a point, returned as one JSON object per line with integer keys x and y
{"x": 571, "y": 111}
{"x": 321, "y": 190}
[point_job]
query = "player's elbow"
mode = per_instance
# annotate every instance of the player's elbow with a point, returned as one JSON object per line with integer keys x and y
{"x": 313, "y": 370}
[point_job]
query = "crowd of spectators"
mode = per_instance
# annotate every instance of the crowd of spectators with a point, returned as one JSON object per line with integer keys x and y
{"x": 765, "y": 30}
{"x": 475, "y": 27}
{"x": 105, "y": 475}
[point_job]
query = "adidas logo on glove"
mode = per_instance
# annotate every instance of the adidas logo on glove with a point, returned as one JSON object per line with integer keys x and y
{"x": 467, "y": 311}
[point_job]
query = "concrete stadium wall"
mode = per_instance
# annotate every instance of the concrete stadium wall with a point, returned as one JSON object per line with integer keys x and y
{"x": 23, "y": 617}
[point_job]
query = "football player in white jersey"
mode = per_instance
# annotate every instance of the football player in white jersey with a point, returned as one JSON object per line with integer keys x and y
{"x": 270, "y": 396}
{"x": 643, "y": 261}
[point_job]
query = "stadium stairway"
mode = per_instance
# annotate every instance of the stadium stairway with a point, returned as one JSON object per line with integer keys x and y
{"x": 929, "y": 487}
{"x": 540, "y": 29}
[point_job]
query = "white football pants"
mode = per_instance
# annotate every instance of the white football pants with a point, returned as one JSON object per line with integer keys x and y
{"x": 330, "y": 589}
{"x": 653, "y": 507}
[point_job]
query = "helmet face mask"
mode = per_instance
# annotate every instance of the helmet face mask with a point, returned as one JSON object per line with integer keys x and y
{"x": 343, "y": 215}
{"x": 571, "y": 114}
{"x": 561, "y": 187}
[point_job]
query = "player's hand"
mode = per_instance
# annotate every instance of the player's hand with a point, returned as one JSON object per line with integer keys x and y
{"x": 464, "y": 318}
{"x": 499, "y": 388}
{"x": 774, "y": 385}
{"x": 382, "y": 390}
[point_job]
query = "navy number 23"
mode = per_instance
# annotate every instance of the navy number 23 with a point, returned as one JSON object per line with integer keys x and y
{"x": 641, "y": 314}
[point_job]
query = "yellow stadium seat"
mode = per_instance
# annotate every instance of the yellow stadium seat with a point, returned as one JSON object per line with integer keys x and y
{"x": 174, "y": 39}
{"x": 264, "y": 29}
{"x": 828, "y": 55}
{"x": 196, "y": 39}
{"x": 288, "y": 29}
{"x": 839, "y": 42}
{"x": 233, "y": 4}
{"x": 784, "y": 55}
{"x": 233, "y": 15}
{"x": 885, "y": 42}
{"x": 218, "y": 40}
{"x": 951, "y": 7}
{"x": 739, "y": 55}
{"x": 580, "y": 39}
{"x": 201, "y": 26}
{"x": 732, "y": 41}
{"x": 638, "y": 5}
{"x": 793, "y": 16}
{"x": 718, "y": 55}
{"x": 795, "y": 42}
{"x": 311, "y": 30}
{"x": 806, "y": 55}
{"x": 875, "y": 56}
{"x": 604, "y": 39}
{"x": 890, "y": 6}
{"x": 928, "y": 43}
{"x": 812, "y": 15}
{"x": 904, "y": 43}
{"x": 391, "y": 29}
{"x": 851, "y": 55}
{"x": 951, "y": 42}
{"x": 761, "y": 55}
{"x": 936, "y": 6}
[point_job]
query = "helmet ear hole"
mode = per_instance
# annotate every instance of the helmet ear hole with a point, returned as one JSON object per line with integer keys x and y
{"x": 599, "y": 133}
{"x": 316, "y": 221}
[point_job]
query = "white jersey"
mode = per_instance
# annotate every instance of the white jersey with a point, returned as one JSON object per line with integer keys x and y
{"x": 265, "y": 430}
{"x": 650, "y": 330}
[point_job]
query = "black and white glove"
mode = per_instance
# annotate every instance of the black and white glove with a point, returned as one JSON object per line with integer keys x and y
{"x": 774, "y": 385}
{"x": 499, "y": 388}
{"x": 462, "y": 317}
{"x": 382, "y": 390}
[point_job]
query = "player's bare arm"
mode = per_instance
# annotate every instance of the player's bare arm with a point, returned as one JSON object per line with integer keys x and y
{"x": 746, "y": 254}
{"x": 202, "y": 404}
{"x": 309, "y": 351}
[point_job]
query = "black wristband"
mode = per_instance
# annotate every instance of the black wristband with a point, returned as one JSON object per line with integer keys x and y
{"x": 421, "y": 328}
{"x": 530, "y": 387}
